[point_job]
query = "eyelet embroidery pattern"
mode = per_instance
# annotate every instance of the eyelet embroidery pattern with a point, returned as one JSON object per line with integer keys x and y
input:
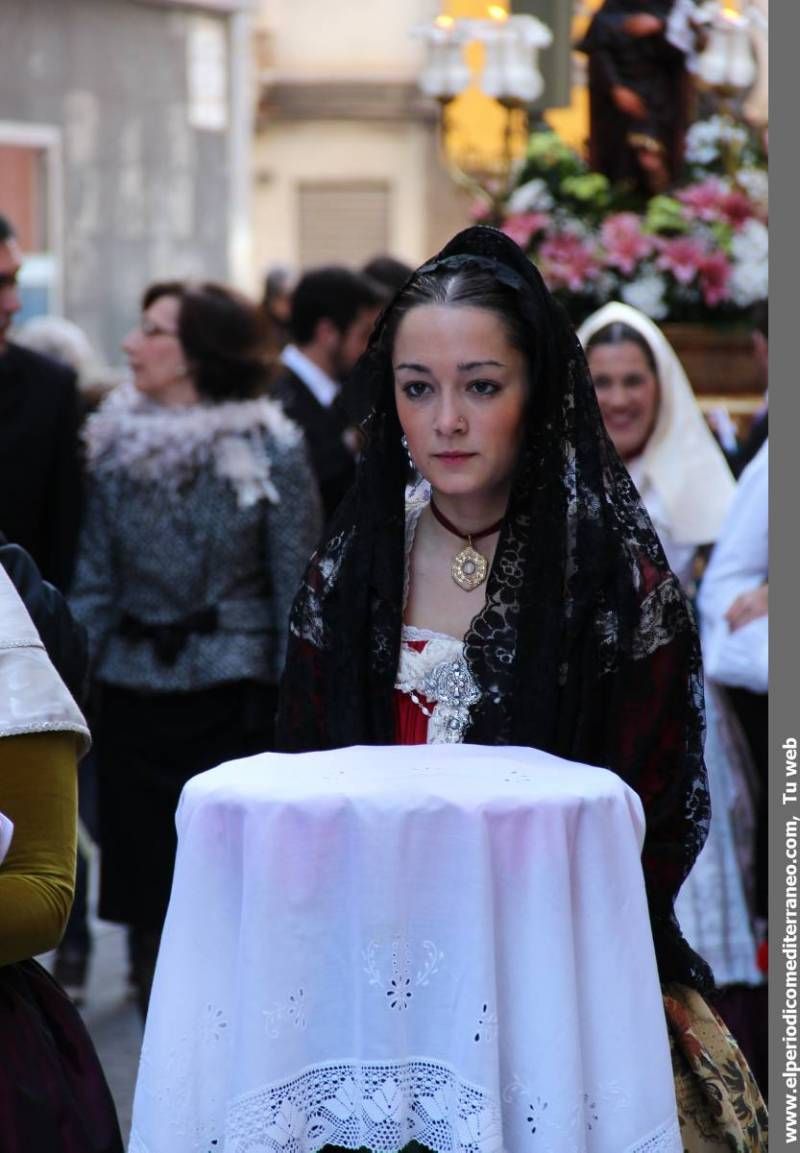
{"x": 292, "y": 1012}
{"x": 571, "y": 1130}
{"x": 487, "y": 1026}
{"x": 214, "y": 1024}
{"x": 399, "y": 988}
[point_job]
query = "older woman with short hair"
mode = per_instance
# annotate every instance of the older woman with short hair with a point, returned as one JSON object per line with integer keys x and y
{"x": 202, "y": 510}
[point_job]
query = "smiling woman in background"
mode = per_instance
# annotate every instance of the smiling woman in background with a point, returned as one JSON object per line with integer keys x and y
{"x": 202, "y": 510}
{"x": 657, "y": 427}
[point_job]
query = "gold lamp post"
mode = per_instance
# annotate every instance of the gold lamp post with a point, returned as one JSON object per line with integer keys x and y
{"x": 484, "y": 72}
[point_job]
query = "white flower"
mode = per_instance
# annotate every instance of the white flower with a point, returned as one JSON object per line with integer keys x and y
{"x": 606, "y": 286}
{"x": 647, "y": 294}
{"x": 533, "y": 196}
{"x": 750, "y": 245}
{"x": 749, "y": 280}
{"x": 755, "y": 183}
{"x": 749, "y": 283}
{"x": 702, "y": 142}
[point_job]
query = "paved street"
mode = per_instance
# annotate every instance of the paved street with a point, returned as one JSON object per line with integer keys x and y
{"x": 112, "y": 1017}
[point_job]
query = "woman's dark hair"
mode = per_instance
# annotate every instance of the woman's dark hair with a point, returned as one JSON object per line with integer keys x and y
{"x": 469, "y": 286}
{"x": 222, "y": 335}
{"x": 621, "y": 333}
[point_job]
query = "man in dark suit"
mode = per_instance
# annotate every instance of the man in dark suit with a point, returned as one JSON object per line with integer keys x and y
{"x": 40, "y": 483}
{"x": 333, "y": 311}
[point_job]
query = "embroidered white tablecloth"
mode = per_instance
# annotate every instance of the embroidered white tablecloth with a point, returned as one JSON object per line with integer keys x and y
{"x": 441, "y": 943}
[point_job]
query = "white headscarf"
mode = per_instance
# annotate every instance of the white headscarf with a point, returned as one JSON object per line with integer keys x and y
{"x": 681, "y": 460}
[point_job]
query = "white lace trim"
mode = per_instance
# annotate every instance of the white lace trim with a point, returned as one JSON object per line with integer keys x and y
{"x": 383, "y": 1105}
{"x": 665, "y": 1139}
{"x": 441, "y": 674}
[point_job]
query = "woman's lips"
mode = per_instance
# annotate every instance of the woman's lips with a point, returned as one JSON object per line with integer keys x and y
{"x": 453, "y": 457}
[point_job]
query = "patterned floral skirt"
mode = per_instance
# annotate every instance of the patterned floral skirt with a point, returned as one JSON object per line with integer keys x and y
{"x": 720, "y": 1108}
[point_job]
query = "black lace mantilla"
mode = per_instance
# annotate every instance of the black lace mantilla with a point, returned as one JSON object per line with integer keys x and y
{"x": 586, "y": 646}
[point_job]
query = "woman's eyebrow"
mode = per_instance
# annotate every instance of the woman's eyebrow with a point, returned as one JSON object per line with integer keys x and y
{"x": 465, "y": 366}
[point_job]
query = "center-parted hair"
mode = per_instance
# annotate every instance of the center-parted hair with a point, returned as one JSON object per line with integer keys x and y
{"x": 621, "y": 333}
{"x": 585, "y": 646}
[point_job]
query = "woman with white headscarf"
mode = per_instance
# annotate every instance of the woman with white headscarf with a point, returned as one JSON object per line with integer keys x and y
{"x": 651, "y": 415}
{"x": 657, "y": 427}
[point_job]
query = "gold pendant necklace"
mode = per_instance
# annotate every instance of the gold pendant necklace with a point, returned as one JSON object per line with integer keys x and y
{"x": 469, "y": 568}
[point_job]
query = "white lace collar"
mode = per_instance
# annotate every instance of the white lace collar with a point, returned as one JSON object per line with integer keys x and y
{"x": 151, "y": 442}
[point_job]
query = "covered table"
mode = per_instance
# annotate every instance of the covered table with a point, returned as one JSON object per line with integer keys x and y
{"x": 447, "y": 944}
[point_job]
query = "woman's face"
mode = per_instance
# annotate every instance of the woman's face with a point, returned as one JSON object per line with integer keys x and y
{"x": 154, "y": 351}
{"x": 628, "y": 394}
{"x": 461, "y": 389}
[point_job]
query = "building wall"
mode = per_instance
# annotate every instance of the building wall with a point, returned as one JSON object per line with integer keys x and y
{"x": 339, "y": 104}
{"x": 144, "y": 192}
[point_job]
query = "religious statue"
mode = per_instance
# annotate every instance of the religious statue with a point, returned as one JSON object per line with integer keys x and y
{"x": 638, "y": 91}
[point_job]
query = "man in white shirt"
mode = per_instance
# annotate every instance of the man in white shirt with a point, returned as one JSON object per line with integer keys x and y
{"x": 733, "y": 604}
{"x": 333, "y": 311}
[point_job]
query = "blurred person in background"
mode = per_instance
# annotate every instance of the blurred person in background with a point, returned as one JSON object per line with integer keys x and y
{"x": 658, "y": 429}
{"x": 40, "y": 485}
{"x": 64, "y": 341}
{"x": 276, "y": 304}
{"x": 734, "y": 616}
{"x": 53, "y": 1094}
{"x": 333, "y": 311}
{"x": 388, "y": 271}
{"x": 201, "y": 513}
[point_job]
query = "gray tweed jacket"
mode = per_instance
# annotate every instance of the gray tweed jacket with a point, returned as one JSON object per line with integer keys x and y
{"x": 184, "y": 579}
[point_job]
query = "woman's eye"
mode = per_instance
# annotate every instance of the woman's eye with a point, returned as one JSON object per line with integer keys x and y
{"x": 484, "y": 387}
{"x": 415, "y": 389}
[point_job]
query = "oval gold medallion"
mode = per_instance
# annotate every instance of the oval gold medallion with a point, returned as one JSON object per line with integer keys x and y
{"x": 469, "y": 569}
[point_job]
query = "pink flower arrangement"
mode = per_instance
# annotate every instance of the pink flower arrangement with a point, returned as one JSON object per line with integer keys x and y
{"x": 624, "y": 241}
{"x": 567, "y": 261}
{"x": 713, "y": 200}
{"x": 715, "y": 272}
{"x": 523, "y": 226}
{"x": 695, "y": 252}
{"x": 682, "y": 256}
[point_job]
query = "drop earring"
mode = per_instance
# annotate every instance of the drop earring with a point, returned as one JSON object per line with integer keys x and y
{"x": 404, "y": 442}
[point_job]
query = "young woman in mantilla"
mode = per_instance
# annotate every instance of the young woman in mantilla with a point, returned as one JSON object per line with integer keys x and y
{"x": 525, "y": 601}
